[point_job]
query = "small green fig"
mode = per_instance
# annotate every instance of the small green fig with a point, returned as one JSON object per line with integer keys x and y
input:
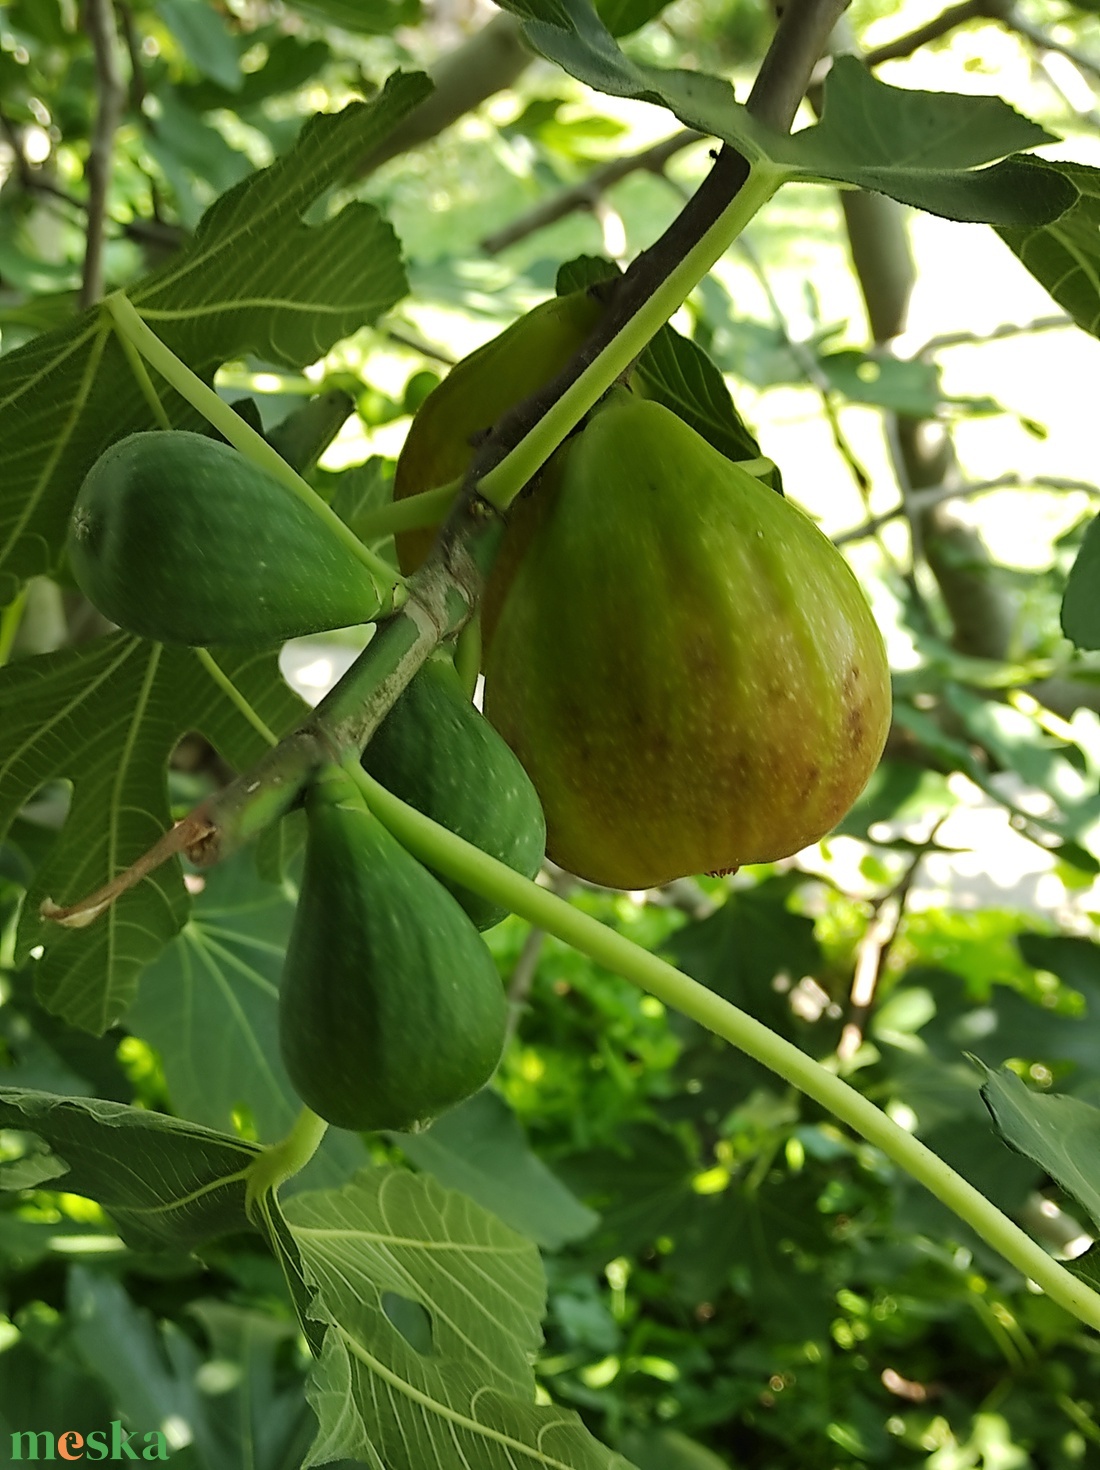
{"x": 391, "y": 1009}
{"x": 687, "y": 668}
{"x": 440, "y": 754}
{"x": 179, "y": 538}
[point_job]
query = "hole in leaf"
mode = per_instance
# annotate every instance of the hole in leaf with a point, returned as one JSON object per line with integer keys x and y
{"x": 410, "y": 1319}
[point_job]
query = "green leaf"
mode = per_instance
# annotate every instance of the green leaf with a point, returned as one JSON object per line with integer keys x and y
{"x": 395, "y": 1251}
{"x": 677, "y": 372}
{"x": 1087, "y": 1267}
{"x": 368, "y": 17}
{"x": 1008, "y": 1025}
{"x": 304, "y": 435}
{"x": 906, "y": 387}
{"x": 1075, "y": 960}
{"x": 290, "y": 63}
{"x": 621, "y": 17}
{"x": 480, "y": 1149}
{"x": 921, "y": 148}
{"x": 255, "y": 1420}
{"x": 359, "y": 491}
{"x": 1064, "y": 254}
{"x": 149, "y": 1368}
{"x": 209, "y": 1004}
{"x": 106, "y": 716}
{"x": 1017, "y": 742}
{"x": 584, "y": 271}
{"x": 44, "y": 1054}
{"x": 196, "y": 160}
{"x": 1061, "y": 1134}
{"x": 163, "y": 1182}
{"x": 206, "y": 40}
{"x": 256, "y": 278}
{"x": 1081, "y": 603}
{"x": 668, "y": 1449}
{"x": 42, "y": 1386}
{"x": 640, "y": 1187}
{"x": 647, "y": 1192}
{"x": 957, "y": 754}
{"x": 220, "y": 1410}
{"x": 739, "y": 950}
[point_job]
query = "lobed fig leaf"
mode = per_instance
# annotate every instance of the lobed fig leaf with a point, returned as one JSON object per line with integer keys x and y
{"x": 685, "y": 665}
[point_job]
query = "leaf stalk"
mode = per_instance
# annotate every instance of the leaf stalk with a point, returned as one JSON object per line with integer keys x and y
{"x": 457, "y": 859}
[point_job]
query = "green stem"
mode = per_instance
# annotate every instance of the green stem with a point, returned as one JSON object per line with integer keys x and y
{"x": 10, "y": 619}
{"x": 450, "y": 855}
{"x": 280, "y": 1161}
{"x": 468, "y": 654}
{"x": 505, "y": 480}
{"x": 253, "y": 446}
{"x": 429, "y": 508}
{"x": 144, "y": 381}
{"x": 234, "y": 695}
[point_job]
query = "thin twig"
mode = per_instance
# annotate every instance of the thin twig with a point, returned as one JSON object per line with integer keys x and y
{"x": 874, "y": 949}
{"x": 1044, "y": 41}
{"x": 922, "y": 500}
{"x": 1006, "y": 329}
{"x": 418, "y": 344}
{"x": 948, "y": 20}
{"x": 181, "y": 839}
{"x": 806, "y": 359}
{"x": 34, "y": 181}
{"x": 110, "y": 93}
{"x": 522, "y": 978}
{"x": 584, "y": 195}
{"x": 133, "y": 48}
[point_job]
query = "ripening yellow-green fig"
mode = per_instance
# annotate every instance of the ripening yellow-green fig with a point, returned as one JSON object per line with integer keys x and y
{"x": 685, "y": 665}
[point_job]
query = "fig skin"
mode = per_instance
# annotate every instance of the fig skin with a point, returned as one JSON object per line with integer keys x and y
{"x": 391, "y": 1009}
{"x": 687, "y": 668}
{"x": 478, "y": 391}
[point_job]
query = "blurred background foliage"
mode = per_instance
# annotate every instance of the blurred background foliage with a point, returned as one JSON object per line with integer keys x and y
{"x": 756, "y": 1288}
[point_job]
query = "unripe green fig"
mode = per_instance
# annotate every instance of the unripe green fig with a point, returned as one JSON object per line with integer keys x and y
{"x": 441, "y": 755}
{"x": 685, "y": 665}
{"x": 391, "y": 1009}
{"x": 179, "y": 538}
{"x": 477, "y": 392}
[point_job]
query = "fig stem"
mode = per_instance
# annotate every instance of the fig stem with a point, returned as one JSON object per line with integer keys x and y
{"x": 411, "y": 514}
{"x": 142, "y": 378}
{"x": 468, "y": 654}
{"x": 389, "y": 584}
{"x": 500, "y": 485}
{"x": 234, "y": 695}
{"x": 459, "y": 860}
{"x": 281, "y": 1161}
